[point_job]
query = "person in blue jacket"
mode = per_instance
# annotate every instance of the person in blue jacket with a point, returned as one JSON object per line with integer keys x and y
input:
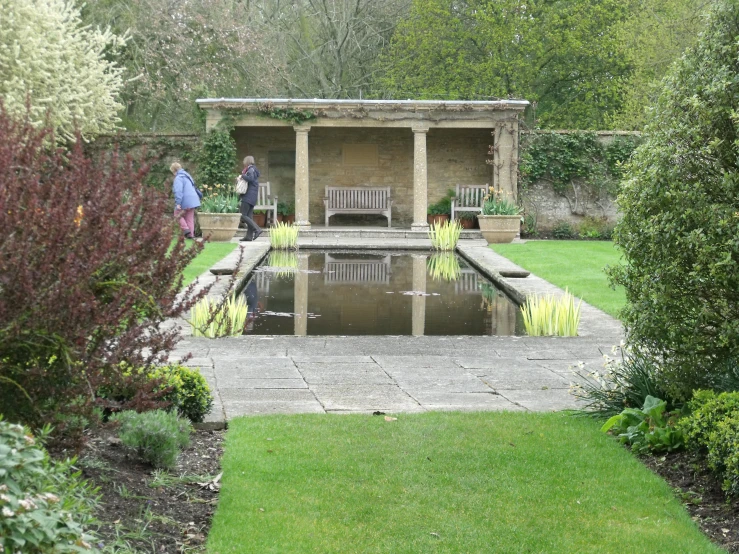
{"x": 186, "y": 199}
{"x": 247, "y": 201}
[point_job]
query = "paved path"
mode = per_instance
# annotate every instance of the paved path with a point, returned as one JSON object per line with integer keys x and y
{"x": 285, "y": 374}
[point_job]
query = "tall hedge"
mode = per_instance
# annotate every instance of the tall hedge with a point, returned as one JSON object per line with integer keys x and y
{"x": 680, "y": 203}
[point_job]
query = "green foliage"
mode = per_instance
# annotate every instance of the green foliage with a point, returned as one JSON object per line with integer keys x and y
{"x": 496, "y": 203}
{"x": 623, "y": 383}
{"x": 443, "y": 266}
{"x": 285, "y": 208}
{"x": 189, "y": 393}
{"x": 44, "y": 505}
{"x": 563, "y": 230}
{"x": 283, "y": 236}
{"x": 650, "y": 429}
{"x": 223, "y": 203}
{"x": 218, "y": 158}
{"x": 713, "y": 427}
{"x": 562, "y": 56}
{"x": 707, "y": 408}
{"x": 566, "y": 159}
{"x": 445, "y": 235}
{"x": 595, "y": 228}
{"x": 157, "y": 436}
{"x": 680, "y": 206}
{"x": 550, "y": 316}
{"x": 286, "y": 114}
{"x": 466, "y": 216}
{"x": 442, "y": 207}
{"x": 213, "y": 319}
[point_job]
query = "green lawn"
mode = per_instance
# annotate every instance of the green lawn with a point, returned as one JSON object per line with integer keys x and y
{"x": 212, "y": 253}
{"x": 441, "y": 482}
{"x": 574, "y": 264}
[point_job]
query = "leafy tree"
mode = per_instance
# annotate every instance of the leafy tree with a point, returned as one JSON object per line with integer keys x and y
{"x": 561, "y": 55}
{"x": 178, "y": 51}
{"x": 49, "y": 60}
{"x": 651, "y": 39}
{"x": 680, "y": 203}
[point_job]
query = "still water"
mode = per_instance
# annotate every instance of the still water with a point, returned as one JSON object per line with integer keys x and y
{"x": 379, "y": 293}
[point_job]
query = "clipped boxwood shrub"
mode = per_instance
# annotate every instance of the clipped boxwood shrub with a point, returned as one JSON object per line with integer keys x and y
{"x": 156, "y": 436}
{"x": 176, "y": 387}
{"x": 44, "y": 505}
{"x": 713, "y": 428}
{"x": 680, "y": 205}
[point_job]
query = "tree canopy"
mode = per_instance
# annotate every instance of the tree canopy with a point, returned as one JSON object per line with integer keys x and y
{"x": 49, "y": 60}
{"x": 562, "y": 55}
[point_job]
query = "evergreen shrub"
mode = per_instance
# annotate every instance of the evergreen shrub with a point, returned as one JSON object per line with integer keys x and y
{"x": 156, "y": 436}
{"x": 680, "y": 203}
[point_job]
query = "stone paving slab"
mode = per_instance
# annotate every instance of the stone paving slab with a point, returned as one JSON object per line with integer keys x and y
{"x": 386, "y": 398}
{"x": 253, "y": 375}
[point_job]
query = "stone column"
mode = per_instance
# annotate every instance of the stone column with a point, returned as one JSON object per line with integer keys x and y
{"x": 301, "y": 296}
{"x": 418, "y": 306}
{"x": 420, "y": 179}
{"x": 505, "y": 158}
{"x": 302, "y": 177}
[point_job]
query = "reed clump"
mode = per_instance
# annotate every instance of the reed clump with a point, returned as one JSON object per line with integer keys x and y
{"x": 551, "y": 316}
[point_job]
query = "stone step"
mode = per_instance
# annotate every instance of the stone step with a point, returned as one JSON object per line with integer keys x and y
{"x": 368, "y": 232}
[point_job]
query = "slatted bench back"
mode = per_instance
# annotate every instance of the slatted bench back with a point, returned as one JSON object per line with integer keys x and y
{"x": 356, "y": 198}
{"x": 468, "y": 198}
{"x": 356, "y": 271}
{"x": 265, "y": 200}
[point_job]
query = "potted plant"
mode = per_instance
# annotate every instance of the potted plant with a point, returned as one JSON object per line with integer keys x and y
{"x": 500, "y": 220}
{"x": 260, "y": 218}
{"x": 219, "y": 214}
{"x": 467, "y": 220}
{"x": 439, "y": 212}
{"x": 285, "y": 212}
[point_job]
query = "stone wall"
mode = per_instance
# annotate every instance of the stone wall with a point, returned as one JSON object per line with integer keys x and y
{"x": 454, "y": 156}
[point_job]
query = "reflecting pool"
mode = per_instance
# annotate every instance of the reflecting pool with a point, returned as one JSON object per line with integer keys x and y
{"x": 380, "y": 293}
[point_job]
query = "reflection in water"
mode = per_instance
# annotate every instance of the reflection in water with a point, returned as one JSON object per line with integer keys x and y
{"x": 444, "y": 265}
{"x": 350, "y": 293}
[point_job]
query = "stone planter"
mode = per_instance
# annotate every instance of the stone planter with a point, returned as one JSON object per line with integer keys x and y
{"x": 499, "y": 228}
{"x": 218, "y": 227}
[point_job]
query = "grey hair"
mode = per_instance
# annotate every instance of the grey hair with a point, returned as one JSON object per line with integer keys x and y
{"x": 249, "y": 160}
{"x": 175, "y": 167}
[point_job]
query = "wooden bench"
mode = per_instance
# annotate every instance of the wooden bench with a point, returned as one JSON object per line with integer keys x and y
{"x": 468, "y": 198}
{"x": 358, "y": 200}
{"x": 266, "y": 202}
{"x": 340, "y": 272}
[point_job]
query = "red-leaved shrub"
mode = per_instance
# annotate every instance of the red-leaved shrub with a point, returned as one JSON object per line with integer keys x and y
{"x": 90, "y": 268}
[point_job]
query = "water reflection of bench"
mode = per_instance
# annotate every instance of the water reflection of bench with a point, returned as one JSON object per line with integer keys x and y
{"x": 469, "y": 282}
{"x": 375, "y": 271}
{"x": 263, "y": 279}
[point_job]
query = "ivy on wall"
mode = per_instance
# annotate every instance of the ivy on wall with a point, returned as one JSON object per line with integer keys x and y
{"x": 217, "y": 158}
{"x": 575, "y": 163}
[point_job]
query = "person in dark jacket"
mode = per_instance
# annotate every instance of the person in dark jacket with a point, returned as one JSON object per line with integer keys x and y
{"x": 186, "y": 199}
{"x": 250, "y": 174}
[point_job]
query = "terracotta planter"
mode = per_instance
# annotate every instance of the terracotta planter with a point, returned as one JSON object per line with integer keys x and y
{"x": 260, "y": 219}
{"x": 499, "y": 228}
{"x": 289, "y": 219}
{"x": 218, "y": 227}
{"x": 467, "y": 223}
{"x": 437, "y": 219}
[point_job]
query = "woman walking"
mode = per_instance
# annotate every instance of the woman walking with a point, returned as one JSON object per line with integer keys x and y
{"x": 250, "y": 174}
{"x": 186, "y": 199}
